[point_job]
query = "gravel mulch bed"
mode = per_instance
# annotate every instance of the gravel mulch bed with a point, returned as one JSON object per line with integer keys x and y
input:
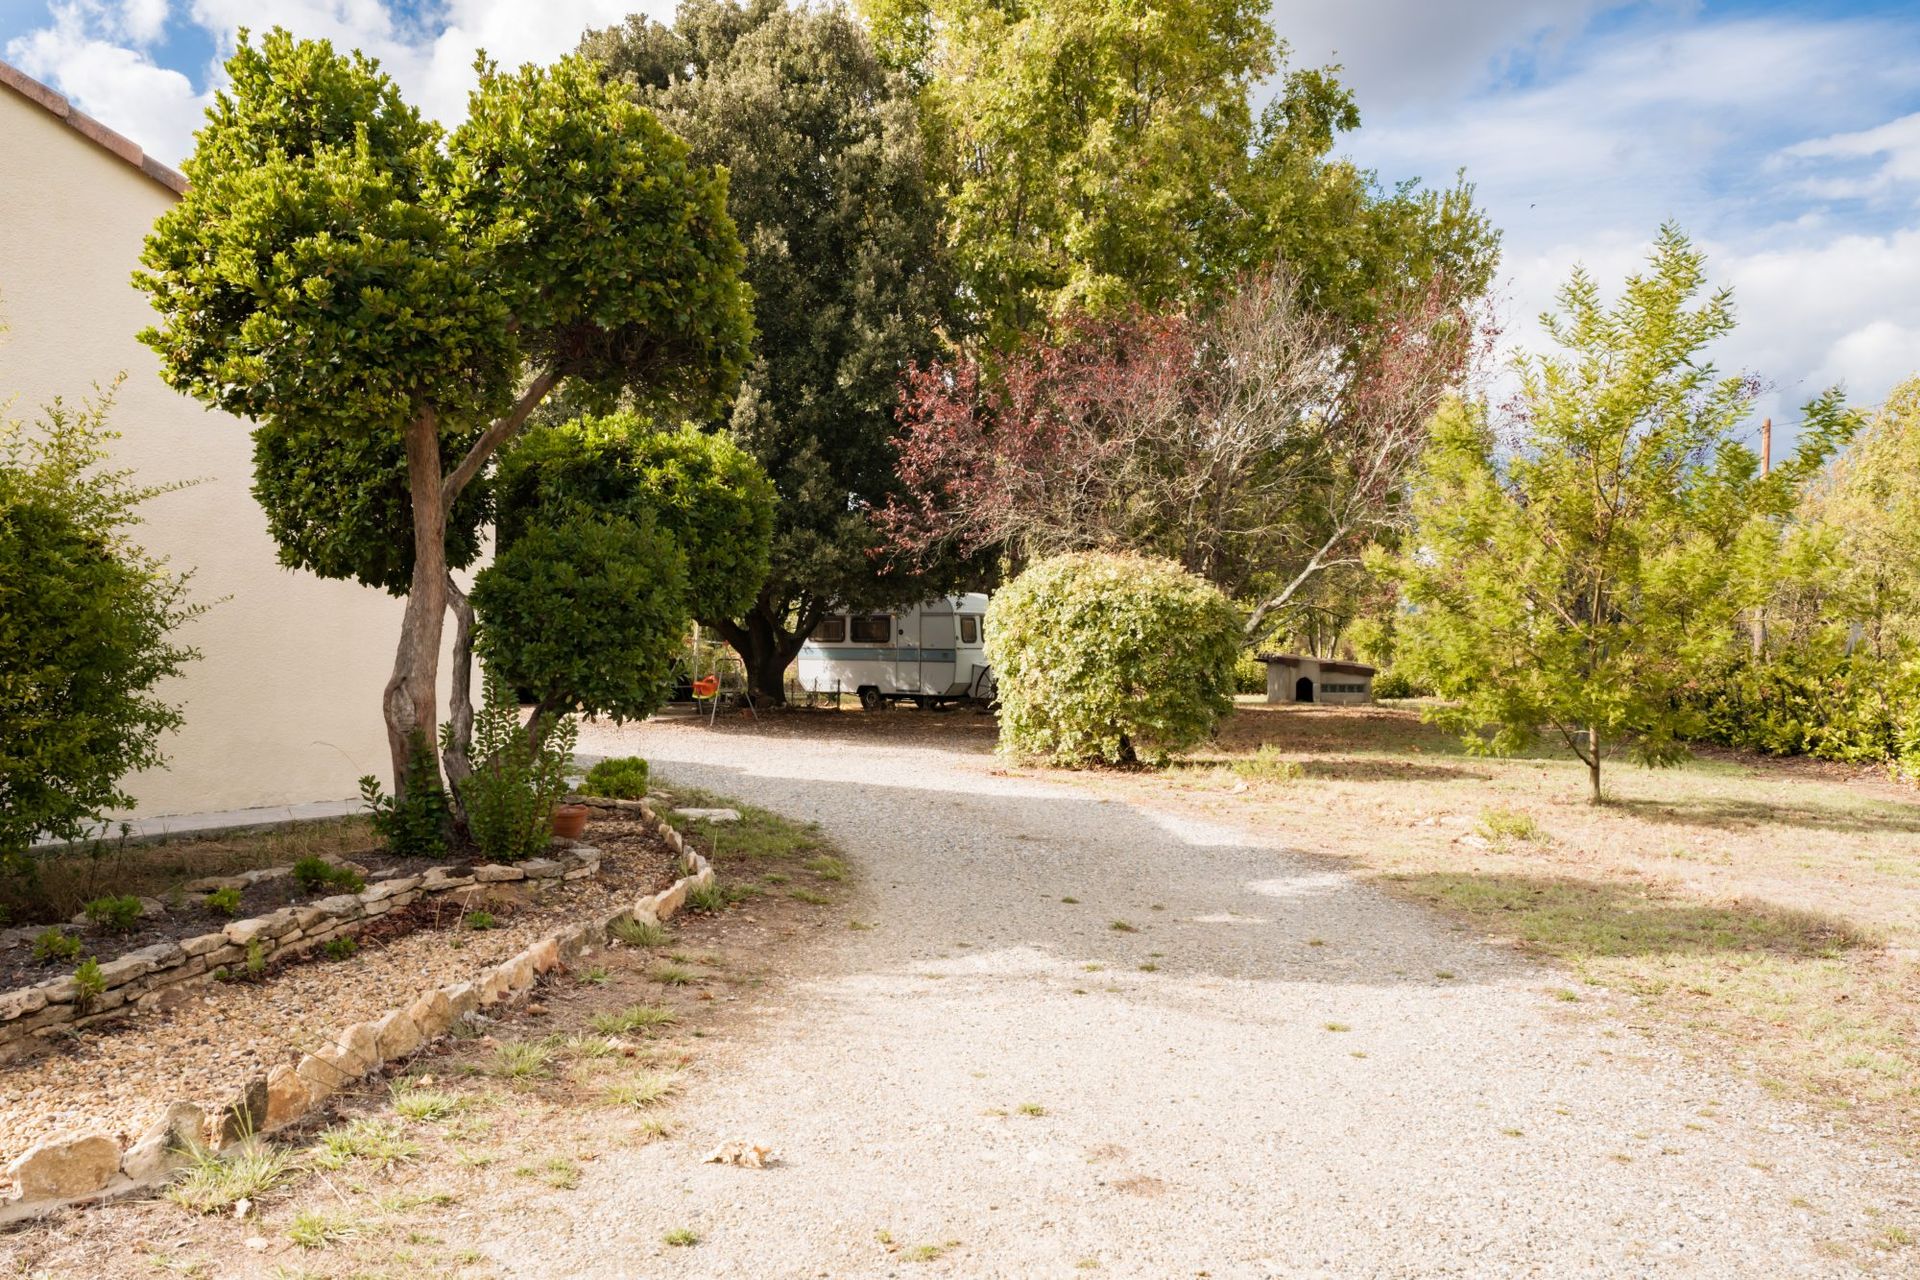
{"x": 186, "y": 916}
{"x": 118, "y": 1079}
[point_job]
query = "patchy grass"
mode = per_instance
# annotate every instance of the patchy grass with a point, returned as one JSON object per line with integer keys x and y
{"x": 316, "y": 1229}
{"x": 1766, "y": 912}
{"x": 642, "y": 1090}
{"x": 378, "y": 1143}
{"x": 639, "y": 933}
{"x": 415, "y": 1101}
{"x": 639, "y": 1017}
{"x": 521, "y": 1059}
{"x": 681, "y": 1237}
{"x": 210, "y": 1184}
{"x": 760, "y": 835}
{"x": 672, "y": 975}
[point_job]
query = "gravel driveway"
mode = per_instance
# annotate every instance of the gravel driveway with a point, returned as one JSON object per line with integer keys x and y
{"x": 1272, "y": 1070}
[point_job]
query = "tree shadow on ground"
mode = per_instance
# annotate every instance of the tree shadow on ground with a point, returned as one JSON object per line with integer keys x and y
{"x": 1732, "y": 814}
{"x": 1585, "y": 919}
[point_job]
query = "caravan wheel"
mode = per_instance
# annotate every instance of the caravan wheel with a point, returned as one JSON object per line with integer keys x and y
{"x": 870, "y": 699}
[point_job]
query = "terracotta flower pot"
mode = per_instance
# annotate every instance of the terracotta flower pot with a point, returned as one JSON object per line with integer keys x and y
{"x": 569, "y": 820}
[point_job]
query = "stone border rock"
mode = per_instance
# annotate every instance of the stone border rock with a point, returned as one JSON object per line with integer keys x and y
{"x": 138, "y": 977}
{"x": 90, "y": 1167}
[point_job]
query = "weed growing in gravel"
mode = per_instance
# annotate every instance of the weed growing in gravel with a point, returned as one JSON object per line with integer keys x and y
{"x": 639, "y": 1017}
{"x": 681, "y": 1237}
{"x": 1121, "y": 926}
{"x": 1072, "y": 902}
{"x": 641, "y": 1090}
{"x": 1337, "y": 1026}
{"x": 713, "y": 896}
{"x": 1032, "y": 1109}
{"x": 210, "y": 1184}
{"x": 861, "y": 926}
{"x": 827, "y": 867}
{"x": 595, "y": 977}
{"x": 417, "y": 1102}
{"x": 480, "y": 920}
{"x": 313, "y": 1229}
{"x": 1504, "y": 825}
{"x": 672, "y": 975}
{"x": 375, "y": 1142}
{"x": 55, "y": 943}
{"x": 520, "y": 1059}
{"x": 638, "y": 933}
{"x": 930, "y": 1252}
{"x": 556, "y": 1171}
{"x": 1149, "y": 967}
{"x": 808, "y": 895}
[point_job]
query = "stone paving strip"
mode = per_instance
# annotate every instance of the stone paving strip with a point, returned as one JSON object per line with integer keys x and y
{"x": 103, "y": 1118}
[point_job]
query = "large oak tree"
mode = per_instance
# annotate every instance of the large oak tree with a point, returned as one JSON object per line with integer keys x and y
{"x": 829, "y": 186}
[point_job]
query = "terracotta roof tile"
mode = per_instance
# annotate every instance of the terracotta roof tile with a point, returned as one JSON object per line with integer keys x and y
{"x": 89, "y": 128}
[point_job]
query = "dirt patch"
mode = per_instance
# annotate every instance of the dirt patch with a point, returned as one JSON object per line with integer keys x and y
{"x": 208, "y": 1040}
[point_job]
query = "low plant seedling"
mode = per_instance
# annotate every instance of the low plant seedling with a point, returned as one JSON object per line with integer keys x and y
{"x": 117, "y": 914}
{"x": 89, "y": 984}
{"x": 341, "y": 948}
{"x": 314, "y": 873}
{"x": 55, "y": 943}
{"x": 481, "y": 920}
{"x": 224, "y": 902}
{"x": 681, "y": 1237}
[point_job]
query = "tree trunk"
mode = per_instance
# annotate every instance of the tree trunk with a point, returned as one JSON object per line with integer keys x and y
{"x": 410, "y": 700}
{"x": 766, "y": 650}
{"x": 457, "y": 757}
{"x": 1593, "y": 762}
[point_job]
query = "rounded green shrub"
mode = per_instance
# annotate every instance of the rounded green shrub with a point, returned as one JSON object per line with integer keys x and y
{"x": 1105, "y": 657}
{"x": 621, "y": 778}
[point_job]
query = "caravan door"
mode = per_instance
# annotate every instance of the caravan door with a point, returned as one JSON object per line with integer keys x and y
{"x": 937, "y": 656}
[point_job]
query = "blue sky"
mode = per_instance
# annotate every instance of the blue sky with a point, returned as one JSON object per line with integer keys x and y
{"x": 1784, "y": 136}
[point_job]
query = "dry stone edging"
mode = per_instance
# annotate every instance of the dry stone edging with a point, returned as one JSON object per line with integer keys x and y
{"x": 88, "y": 1168}
{"x": 139, "y": 977}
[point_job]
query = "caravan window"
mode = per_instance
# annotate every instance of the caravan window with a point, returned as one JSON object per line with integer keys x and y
{"x": 829, "y": 630}
{"x": 969, "y": 629}
{"x": 873, "y": 628}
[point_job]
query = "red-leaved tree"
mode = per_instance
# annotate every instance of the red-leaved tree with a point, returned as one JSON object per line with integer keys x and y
{"x": 1259, "y": 443}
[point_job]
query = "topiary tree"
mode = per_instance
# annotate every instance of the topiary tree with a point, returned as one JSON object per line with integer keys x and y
{"x": 368, "y": 289}
{"x": 587, "y": 612}
{"x": 1105, "y": 657}
{"x": 699, "y": 488}
{"x": 87, "y": 625}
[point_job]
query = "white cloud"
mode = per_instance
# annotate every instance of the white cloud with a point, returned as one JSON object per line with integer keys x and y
{"x": 1895, "y": 145}
{"x": 90, "y": 50}
{"x": 156, "y": 106}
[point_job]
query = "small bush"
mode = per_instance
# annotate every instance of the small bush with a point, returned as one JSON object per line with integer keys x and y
{"x": 315, "y": 874}
{"x": 89, "y": 984}
{"x": 118, "y": 914}
{"x": 1395, "y": 684}
{"x": 342, "y": 948}
{"x": 514, "y": 785}
{"x": 1104, "y": 657}
{"x": 481, "y": 920}
{"x": 55, "y": 943}
{"x": 416, "y": 825}
{"x": 622, "y": 778}
{"x": 224, "y": 902}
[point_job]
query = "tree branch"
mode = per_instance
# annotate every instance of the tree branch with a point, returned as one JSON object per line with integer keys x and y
{"x": 494, "y": 436}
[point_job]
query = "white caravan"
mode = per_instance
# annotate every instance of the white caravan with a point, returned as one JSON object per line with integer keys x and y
{"x": 929, "y": 654}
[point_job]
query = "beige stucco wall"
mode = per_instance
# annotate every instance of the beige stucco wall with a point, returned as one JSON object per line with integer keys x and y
{"x": 285, "y": 705}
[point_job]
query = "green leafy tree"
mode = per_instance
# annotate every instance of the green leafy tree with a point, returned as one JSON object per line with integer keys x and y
{"x": 586, "y": 612}
{"x": 699, "y": 488}
{"x": 1100, "y": 153}
{"x": 828, "y": 183}
{"x": 367, "y": 289}
{"x": 1867, "y": 509}
{"x": 1579, "y": 578}
{"x": 88, "y": 631}
{"x": 1106, "y": 657}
